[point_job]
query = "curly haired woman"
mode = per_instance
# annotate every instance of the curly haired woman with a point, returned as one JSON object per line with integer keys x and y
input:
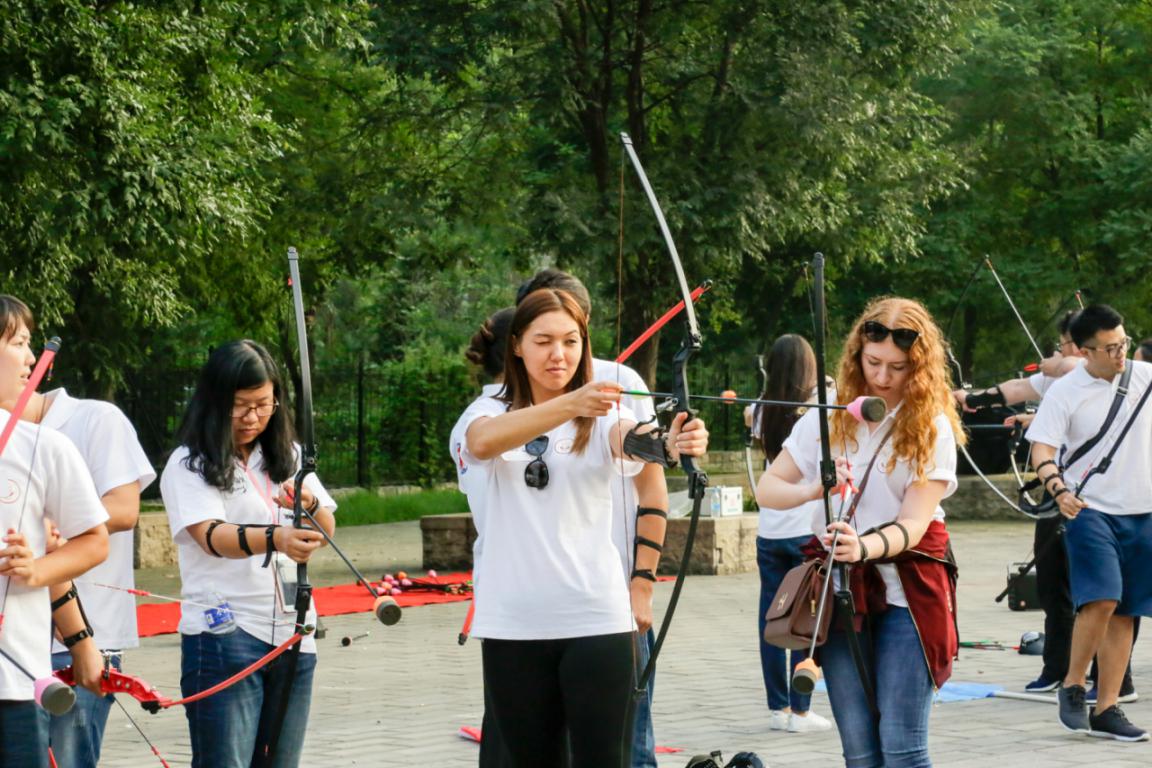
{"x": 902, "y": 575}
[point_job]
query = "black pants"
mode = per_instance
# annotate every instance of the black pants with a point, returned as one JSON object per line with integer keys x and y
{"x": 1055, "y": 595}
{"x": 537, "y": 689}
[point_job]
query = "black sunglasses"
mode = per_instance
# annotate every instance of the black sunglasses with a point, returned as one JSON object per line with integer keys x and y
{"x": 536, "y": 473}
{"x": 903, "y": 338}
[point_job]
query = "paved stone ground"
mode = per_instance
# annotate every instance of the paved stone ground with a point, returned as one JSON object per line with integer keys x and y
{"x": 398, "y": 697}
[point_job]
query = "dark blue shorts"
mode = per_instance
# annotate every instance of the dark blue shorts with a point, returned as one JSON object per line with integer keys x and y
{"x": 1108, "y": 559}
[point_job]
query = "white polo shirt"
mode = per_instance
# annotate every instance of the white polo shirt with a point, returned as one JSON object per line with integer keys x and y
{"x": 41, "y": 476}
{"x": 107, "y": 442}
{"x": 1073, "y": 411}
{"x": 885, "y": 491}
{"x": 252, "y": 592}
{"x": 549, "y": 568}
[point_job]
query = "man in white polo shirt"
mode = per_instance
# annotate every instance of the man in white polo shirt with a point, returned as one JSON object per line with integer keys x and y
{"x": 1109, "y": 529}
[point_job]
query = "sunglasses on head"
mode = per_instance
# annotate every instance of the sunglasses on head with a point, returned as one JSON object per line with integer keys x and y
{"x": 903, "y": 338}
{"x": 536, "y": 473}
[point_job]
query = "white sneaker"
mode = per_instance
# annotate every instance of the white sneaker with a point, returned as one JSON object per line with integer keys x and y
{"x": 778, "y": 719}
{"x": 809, "y": 722}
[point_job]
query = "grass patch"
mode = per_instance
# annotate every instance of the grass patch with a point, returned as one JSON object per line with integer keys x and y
{"x": 368, "y": 508}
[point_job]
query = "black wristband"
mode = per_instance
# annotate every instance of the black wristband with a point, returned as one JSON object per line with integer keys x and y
{"x": 1058, "y": 492}
{"x": 71, "y": 640}
{"x": 1045, "y": 463}
{"x": 903, "y": 530}
{"x": 643, "y": 542}
{"x": 315, "y": 506}
{"x": 863, "y": 550}
{"x": 644, "y": 573}
{"x": 208, "y": 537}
{"x": 242, "y": 539}
{"x": 642, "y": 511}
{"x": 884, "y": 539}
{"x": 269, "y": 544}
{"x": 71, "y": 594}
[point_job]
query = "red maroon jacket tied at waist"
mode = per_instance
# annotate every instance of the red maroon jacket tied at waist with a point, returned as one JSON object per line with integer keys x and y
{"x": 928, "y": 575}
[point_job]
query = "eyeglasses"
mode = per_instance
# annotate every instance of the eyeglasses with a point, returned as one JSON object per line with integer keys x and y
{"x": 536, "y": 473}
{"x": 263, "y": 410}
{"x": 904, "y": 338}
{"x": 1113, "y": 350}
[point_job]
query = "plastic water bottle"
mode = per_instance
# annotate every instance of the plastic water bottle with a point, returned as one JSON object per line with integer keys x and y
{"x": 220, "y": 620}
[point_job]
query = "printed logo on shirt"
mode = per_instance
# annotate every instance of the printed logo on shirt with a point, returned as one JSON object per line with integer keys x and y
{"x": 564, "y": 446}
{"x": 12, "y": 493}
{"x": 461, "y": 467}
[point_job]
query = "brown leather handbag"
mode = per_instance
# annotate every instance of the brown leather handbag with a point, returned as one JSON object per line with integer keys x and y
{"x": 791, "y": 619}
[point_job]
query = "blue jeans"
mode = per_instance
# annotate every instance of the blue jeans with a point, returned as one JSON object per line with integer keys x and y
{"x": 776, "y": 557}
{"x": 75, "y": 736}
{"x": 30, "y": 748}
{"x": 643, "y": 739}
{"x": 898, "y": 672}
{"x": 230, "y": 729}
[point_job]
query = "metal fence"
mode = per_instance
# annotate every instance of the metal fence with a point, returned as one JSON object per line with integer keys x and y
{"x": 390, "y": 424}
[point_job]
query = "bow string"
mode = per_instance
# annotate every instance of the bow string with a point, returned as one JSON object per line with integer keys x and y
{"x": 691, "y": 344}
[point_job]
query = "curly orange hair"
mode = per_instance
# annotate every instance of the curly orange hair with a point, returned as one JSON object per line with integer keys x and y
{"x": 927, "y": 392}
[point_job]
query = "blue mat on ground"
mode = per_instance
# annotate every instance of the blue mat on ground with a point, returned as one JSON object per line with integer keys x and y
{"x": 952, "y": 691}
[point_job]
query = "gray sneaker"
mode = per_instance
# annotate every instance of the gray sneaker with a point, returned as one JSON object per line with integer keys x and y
{"x": 1073, "y": 708}
{"x": 1112, "y": 724}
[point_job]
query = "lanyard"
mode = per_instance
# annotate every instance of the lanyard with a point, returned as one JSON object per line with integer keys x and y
{"x": 265, "y": 493}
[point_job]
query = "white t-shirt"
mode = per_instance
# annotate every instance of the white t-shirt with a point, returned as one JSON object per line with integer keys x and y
{"x": 624, "y": 499}
{"x": 59, "y": 488}
{"x": 1073, "y": 411}
{"x": 549, "y": 568}
{"x": 252, "y": 592}
{"x": 470, "y": 476}
{"x": 107, "y": 443}
{"x": 786, "y": 523}
{"x": 884, "y": 494}
{"x": 1040, "y": 383}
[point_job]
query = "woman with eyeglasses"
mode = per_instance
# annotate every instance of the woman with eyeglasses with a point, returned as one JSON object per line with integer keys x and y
{"x": 228, "y": 493}
{"x": 901, "y": 572}
{"x": 552, "y": 604}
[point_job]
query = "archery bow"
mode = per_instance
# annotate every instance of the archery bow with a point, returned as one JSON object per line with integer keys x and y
{"x": 307, "y": 467}
{"x": 748, "y": 430}
{"x": 691, "y": 344}
{"x": 844, "y": 605}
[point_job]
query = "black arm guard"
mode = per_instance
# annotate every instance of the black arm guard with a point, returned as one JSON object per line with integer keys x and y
{"x": 985, "y": 399}
{"x": 649, "y": 447}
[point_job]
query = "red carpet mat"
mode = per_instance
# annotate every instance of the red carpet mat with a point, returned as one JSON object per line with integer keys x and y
{"x": 163, "y": 618}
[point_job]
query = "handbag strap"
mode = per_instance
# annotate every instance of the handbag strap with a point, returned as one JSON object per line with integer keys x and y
{"x": 864, "y": 480}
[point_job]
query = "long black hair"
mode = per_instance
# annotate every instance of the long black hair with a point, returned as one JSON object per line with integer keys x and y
{"x": 791, "y": 367}
{"x": 207, "y": 426}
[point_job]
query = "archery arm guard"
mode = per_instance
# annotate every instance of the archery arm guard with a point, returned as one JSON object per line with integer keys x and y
{"x": 985, "y": 399}
{"x": 648, "y": 447}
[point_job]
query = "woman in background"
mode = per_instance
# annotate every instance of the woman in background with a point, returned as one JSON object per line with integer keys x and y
{"x": 791, "y": 369}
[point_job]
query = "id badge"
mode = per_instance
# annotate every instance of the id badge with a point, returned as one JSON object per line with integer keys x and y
{"x": 287, "y": 580}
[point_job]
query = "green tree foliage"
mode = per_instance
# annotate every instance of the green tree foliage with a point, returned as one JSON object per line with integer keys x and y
{"x": 130, "y": 136}
{"x": 1050, "y": 113}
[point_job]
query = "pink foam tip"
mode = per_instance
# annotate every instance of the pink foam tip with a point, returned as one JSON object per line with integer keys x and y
{"x": 42, "y": 684}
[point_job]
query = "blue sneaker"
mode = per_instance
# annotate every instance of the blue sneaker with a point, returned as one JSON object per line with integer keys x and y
{"x": 1127, "y": 693}
{"x": 1042, "y": 685}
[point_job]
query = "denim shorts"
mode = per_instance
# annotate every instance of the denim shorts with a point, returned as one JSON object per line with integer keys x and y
{"x": 1108, "y": 557}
